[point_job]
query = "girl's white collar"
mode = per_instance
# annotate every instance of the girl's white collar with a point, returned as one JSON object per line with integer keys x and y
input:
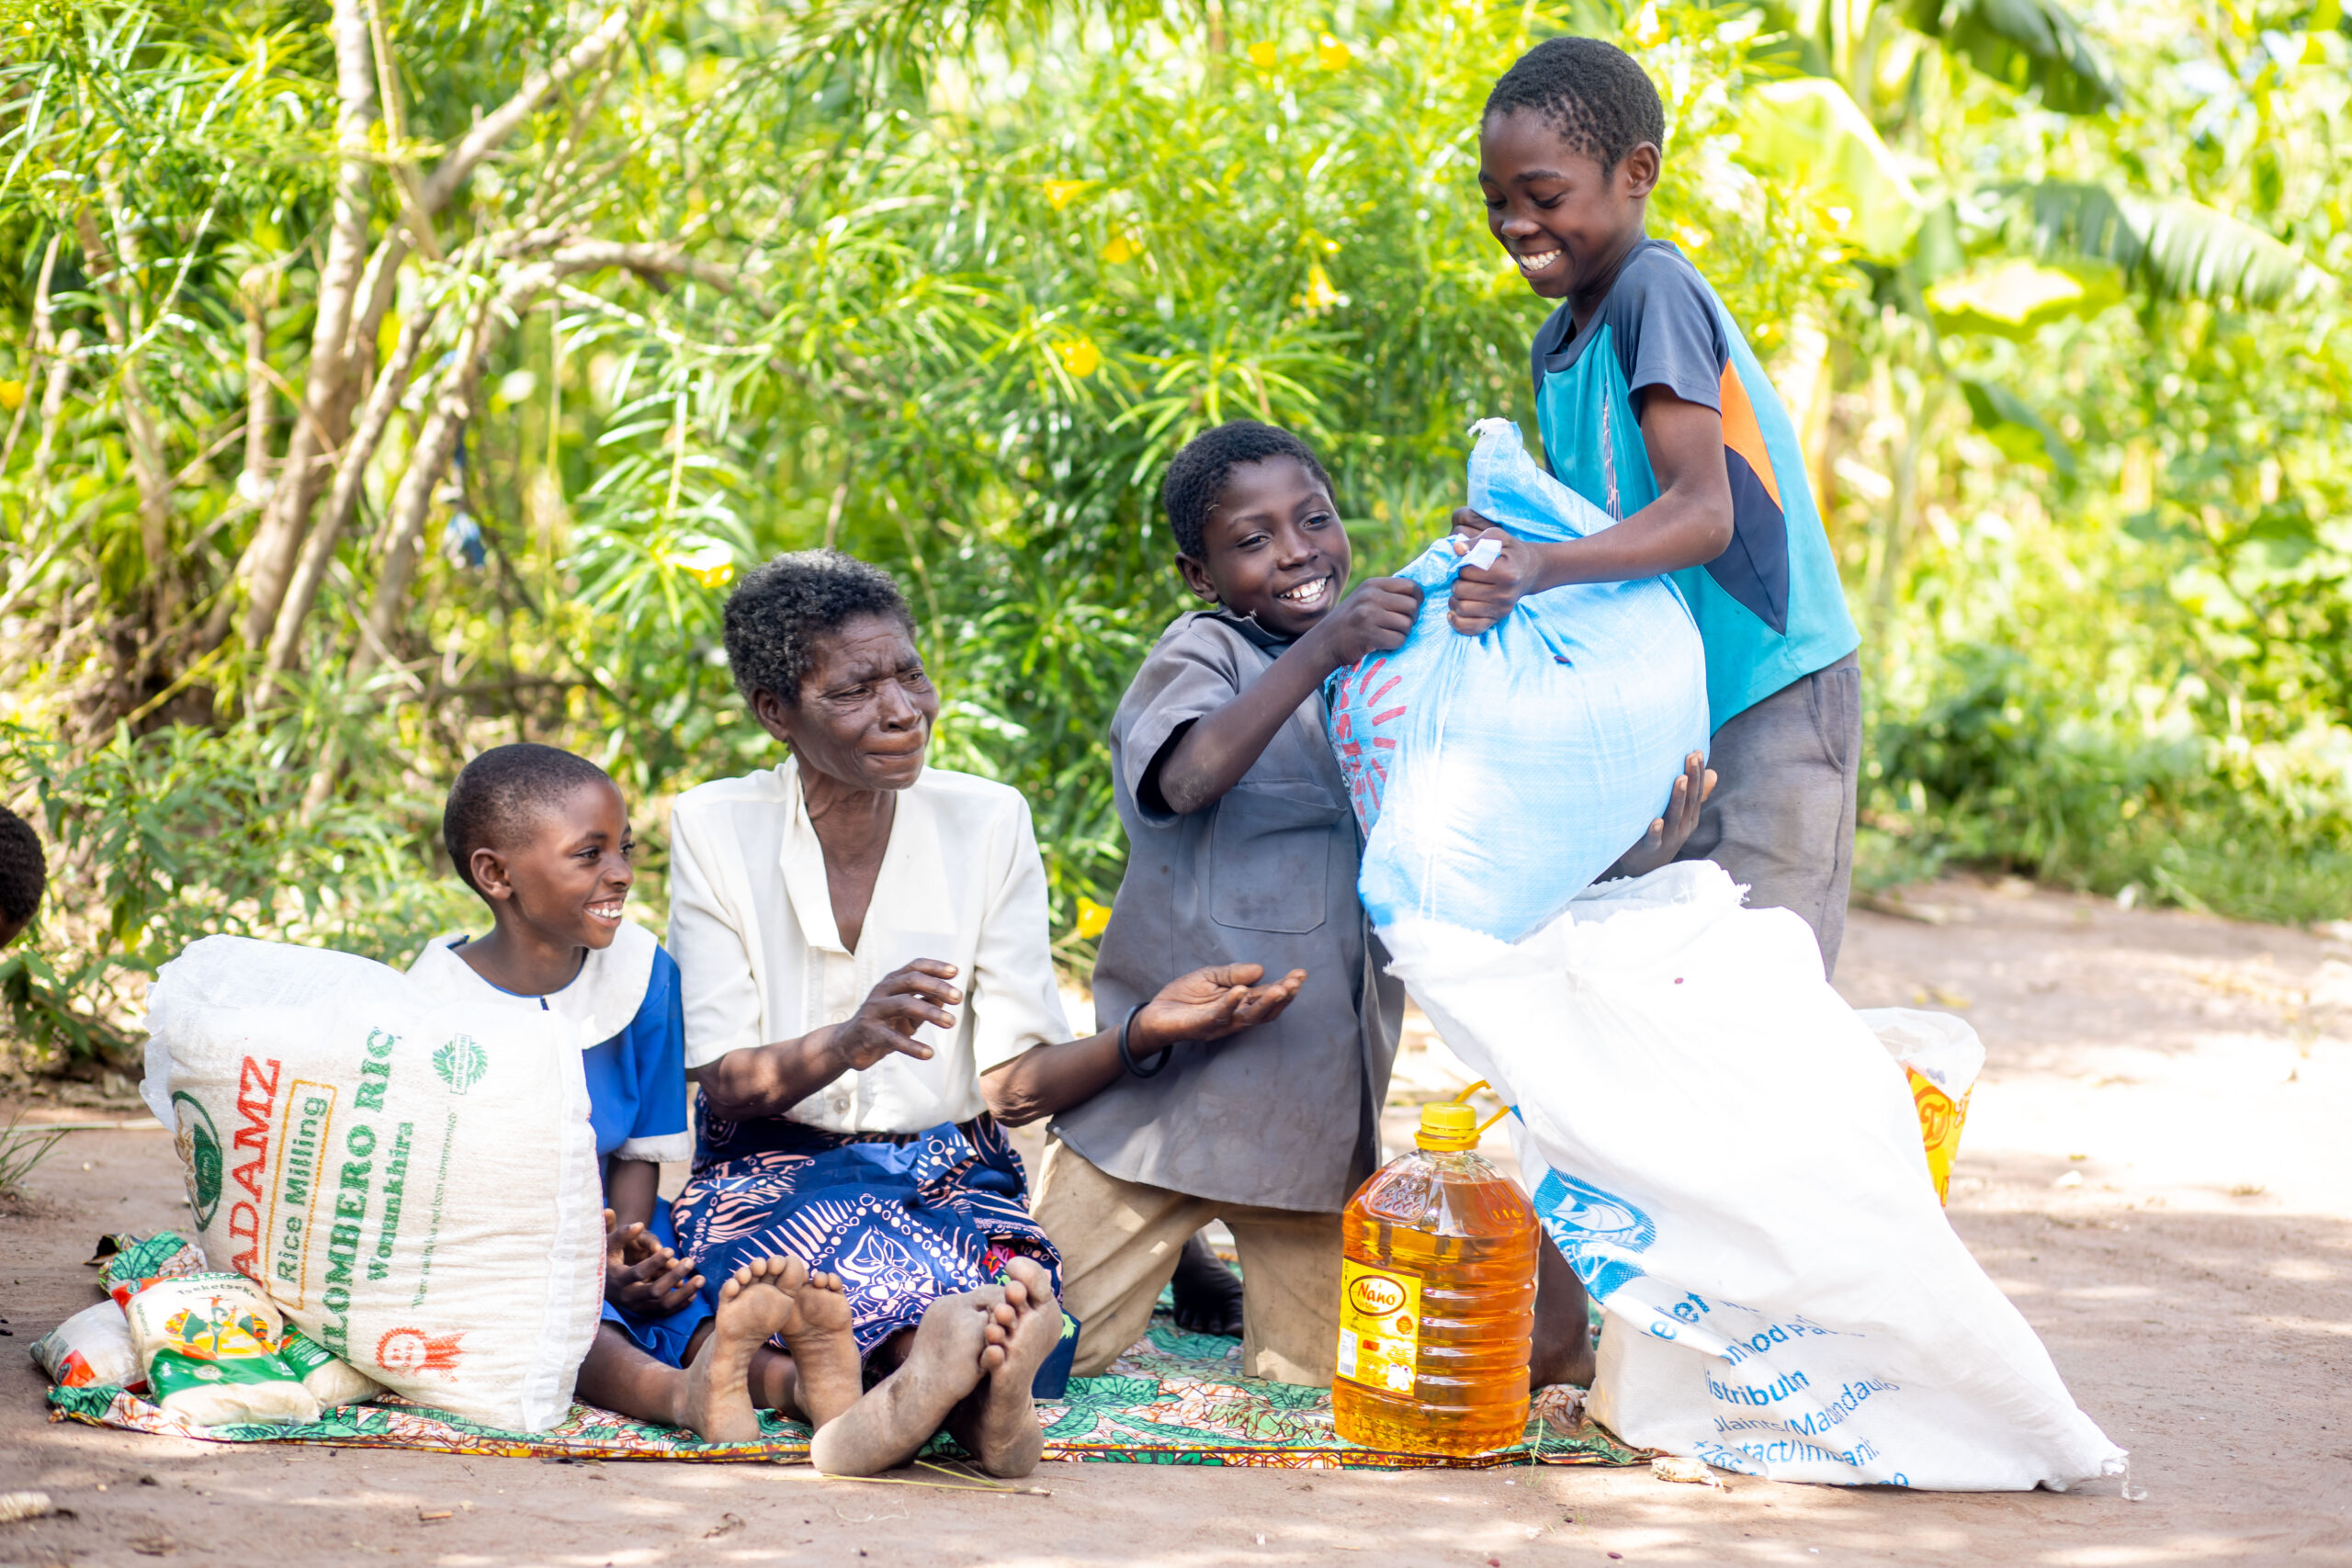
{"x": 602, "y": 998}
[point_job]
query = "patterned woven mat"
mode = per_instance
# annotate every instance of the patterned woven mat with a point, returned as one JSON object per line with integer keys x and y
{"x": 1175, "y": 1398}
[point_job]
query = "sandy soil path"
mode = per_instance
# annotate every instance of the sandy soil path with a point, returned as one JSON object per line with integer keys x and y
{"x": 2188, "y": 1082}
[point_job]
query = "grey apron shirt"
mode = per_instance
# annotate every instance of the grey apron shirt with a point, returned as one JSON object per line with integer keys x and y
{"x": 1285, "y": 1115}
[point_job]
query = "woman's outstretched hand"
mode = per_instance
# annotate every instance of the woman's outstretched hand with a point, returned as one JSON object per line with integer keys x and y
{"x": 1209, "y": 1004}
{"x": 903, "y": 1001}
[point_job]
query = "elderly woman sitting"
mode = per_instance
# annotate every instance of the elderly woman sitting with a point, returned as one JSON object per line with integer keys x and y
{"x": 863, "y": 949}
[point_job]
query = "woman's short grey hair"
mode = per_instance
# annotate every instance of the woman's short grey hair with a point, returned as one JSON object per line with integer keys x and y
{"x": 777, "y": 616}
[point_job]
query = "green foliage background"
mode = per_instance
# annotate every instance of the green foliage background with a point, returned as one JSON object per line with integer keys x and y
{"x": 947, "y": 286}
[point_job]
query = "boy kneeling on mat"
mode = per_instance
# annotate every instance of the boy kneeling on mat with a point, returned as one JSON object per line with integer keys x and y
{"x": 1242, "y": 844}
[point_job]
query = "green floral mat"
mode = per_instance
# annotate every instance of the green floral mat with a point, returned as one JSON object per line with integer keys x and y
{"x": 1176, "y": 1398}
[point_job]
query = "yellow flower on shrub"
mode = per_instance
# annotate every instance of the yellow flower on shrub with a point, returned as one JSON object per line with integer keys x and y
{"x": 1121, "y": 251}
{"x": 1079, "y": 357}
{"x": 1319, "y": 296}
{"x": 1093, "y": 919}
{"x": 12, "y": 395}
{"x": 709, "y": 562}
{"x": 1263, "y": 53}
{"x": 1333, "y": 55}
{"x": 1061, "y": 193}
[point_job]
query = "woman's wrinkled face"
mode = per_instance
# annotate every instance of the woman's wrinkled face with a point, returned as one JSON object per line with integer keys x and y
{"x": 866, "y": 710}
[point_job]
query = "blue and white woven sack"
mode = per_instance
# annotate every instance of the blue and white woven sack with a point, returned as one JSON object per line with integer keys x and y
{"x": 1497, "y": 775}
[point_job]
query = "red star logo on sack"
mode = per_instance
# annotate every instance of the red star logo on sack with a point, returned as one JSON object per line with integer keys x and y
{"x": 409, "y": 1351}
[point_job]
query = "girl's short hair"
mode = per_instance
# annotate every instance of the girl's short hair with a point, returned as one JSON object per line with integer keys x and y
{"x": 500, "y": 792}
{"x": 24, "y": 869}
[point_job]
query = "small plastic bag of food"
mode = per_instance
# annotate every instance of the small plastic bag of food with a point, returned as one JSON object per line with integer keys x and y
{"x": 332, "y": 1381}
{"x": 90, "y": 1349}
{"x": 1940, "y": 1057}
{"x": 135, "y": 1264}
{"x": 208, "y": 1344}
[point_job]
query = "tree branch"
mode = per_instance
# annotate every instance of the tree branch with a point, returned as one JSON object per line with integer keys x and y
{"x": 318, "y": 551}
{"x": 137, "y": 422}
{"x": 326, "y": 399}
{"x": 492, "y": 129}
{"x": 656, "y": 263}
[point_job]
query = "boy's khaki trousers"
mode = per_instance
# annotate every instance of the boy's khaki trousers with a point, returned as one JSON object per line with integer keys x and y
{"x": 1119, "y": 1241}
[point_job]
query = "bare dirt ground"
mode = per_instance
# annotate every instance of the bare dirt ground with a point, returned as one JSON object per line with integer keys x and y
{"x": 2155, "y": 1169}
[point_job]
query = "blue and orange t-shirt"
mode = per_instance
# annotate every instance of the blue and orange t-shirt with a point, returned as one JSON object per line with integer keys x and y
{"x": 1770, "y": 608}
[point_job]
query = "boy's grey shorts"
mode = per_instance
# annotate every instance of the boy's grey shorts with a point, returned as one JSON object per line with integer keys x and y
{"x": 1782, "y": 818}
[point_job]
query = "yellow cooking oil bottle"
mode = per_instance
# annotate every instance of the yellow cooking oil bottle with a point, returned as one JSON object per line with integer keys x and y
{"x": 1437, "y": 1298}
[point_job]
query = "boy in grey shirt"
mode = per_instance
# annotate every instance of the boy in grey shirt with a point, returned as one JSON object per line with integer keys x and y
{"x": 1243, "y": 848}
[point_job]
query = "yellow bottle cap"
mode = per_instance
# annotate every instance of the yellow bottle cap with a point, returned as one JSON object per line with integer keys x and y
{"x": 1452, "y": 1125}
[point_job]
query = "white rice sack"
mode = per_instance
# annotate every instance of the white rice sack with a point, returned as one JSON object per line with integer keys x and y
{"x": 90, "y": 1349}
{"x": 333, "y": 1382}
{"x": 414, "y": 1182}
{"x": 208, "y": 1344}
{"x": 1732, "y": 1163}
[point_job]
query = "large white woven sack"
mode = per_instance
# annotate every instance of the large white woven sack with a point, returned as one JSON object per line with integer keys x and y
{"x": 413, "y": 1183}
{"x": 1732, "y": 1163}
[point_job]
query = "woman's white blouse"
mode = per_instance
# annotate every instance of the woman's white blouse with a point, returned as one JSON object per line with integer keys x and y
{"x": 760, "y": 959}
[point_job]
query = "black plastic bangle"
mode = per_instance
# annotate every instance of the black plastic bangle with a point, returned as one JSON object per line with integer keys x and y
{"x": 1126, "y": 1056}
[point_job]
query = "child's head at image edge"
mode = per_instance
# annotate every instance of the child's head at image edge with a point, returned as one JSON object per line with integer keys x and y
{"x": 1257, "y": 530}
{"x": 542, "y": 836}
{"x": 23, "y": 874}
{"x": 1569, "y": 149}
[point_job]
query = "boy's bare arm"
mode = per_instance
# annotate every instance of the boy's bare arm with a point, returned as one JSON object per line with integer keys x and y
{"x": 1219, "y": 748}
{"x": 1207, "y": 1004}
{"x": 1688, "y": 524}
{"x": 629, "y": 1188}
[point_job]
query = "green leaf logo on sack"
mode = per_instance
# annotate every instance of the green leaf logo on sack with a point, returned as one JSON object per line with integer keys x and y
{"x": 460, "y": 1062}
{"x": 198, "y": 1146}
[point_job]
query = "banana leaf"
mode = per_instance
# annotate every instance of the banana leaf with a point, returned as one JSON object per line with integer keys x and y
{"x": 1806, "y": 135}
{"x": 2174, "y": 249}
{"x": 2026, "y": 43}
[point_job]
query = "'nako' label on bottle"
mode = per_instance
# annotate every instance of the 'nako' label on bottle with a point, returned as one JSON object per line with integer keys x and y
{"x": 1380, "y": 1325}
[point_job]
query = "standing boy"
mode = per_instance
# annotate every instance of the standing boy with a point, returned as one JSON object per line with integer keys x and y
{"x": 1652, "y": 408}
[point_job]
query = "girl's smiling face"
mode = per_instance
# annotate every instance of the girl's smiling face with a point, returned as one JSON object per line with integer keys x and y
{"x": 1272, "y": 548}
{"x": 567, "y": 880}
{"x": 1564, "y": 222}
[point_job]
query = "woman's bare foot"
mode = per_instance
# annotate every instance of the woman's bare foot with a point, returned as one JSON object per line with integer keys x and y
{"x": 753, "y": 1305}
{"x": 884, "y": 1429}
{"x": 828, "y": 1378}
{"x": 999, "y": 1423}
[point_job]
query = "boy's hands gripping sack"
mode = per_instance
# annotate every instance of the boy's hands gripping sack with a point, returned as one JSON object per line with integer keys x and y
{"x": 1496, "y": 775}
{"x": 414, "y": 1184}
